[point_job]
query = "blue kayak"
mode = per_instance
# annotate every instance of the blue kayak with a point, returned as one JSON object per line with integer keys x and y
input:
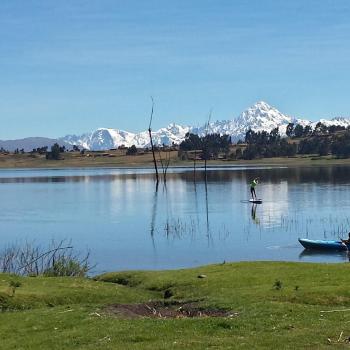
{"x": 319, "y": 244}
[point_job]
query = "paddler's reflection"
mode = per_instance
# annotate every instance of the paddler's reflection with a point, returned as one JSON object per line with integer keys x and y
{"x": 254, "y": 218}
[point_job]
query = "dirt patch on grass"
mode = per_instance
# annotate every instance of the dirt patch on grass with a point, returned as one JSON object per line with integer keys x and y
{"x": 166, "y": 310}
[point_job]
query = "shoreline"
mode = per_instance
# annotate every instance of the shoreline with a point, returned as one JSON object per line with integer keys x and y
{"x": 73, "y": 161}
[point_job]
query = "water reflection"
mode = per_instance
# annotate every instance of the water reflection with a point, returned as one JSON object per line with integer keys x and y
{"x": 207, "y": 207}
{"x": 130, "y": 223}
{"x": 255, "y": 219}
{"x": 154, "y": 212}
{"x": 310, "y": 255}
{"x": 323, "y": 175}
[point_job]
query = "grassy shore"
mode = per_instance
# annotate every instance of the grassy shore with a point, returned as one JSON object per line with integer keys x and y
{"x": 117, "y": 158}
{"x": 275, "y": 306}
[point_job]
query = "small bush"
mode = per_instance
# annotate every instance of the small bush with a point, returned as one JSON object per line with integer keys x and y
{"x": 168, "y": 294}
{"x": 13, "y": 286}
{"x": 66, "y": 266}
{"x": 5, "y": 302}
{"x": 58, "y": 259}
{"x": 223, "y": 325}
{"x": 278, "y": 285}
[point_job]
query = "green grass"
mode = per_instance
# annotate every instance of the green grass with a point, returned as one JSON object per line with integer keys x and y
{"x": 67, "y": 313}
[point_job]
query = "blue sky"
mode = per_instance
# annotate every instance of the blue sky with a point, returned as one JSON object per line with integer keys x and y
{"x": 72, "y": 66}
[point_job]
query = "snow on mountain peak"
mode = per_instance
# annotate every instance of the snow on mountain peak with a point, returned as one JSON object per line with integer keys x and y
{"x": 260, "y": 116}
{"x": 262, "y": 105}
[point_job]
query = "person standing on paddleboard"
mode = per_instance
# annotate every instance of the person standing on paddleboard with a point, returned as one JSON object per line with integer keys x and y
{"x": 252, "y": 187}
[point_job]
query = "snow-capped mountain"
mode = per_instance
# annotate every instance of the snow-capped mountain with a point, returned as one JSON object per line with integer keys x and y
{"x": 340, "y": 121}
{"x": 261, "y": 116}
{"x": 105, "y": 138}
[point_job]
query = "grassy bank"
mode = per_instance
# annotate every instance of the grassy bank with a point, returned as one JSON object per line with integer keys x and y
{"x": 279, "y": 305}
{"x": 117, "y": 158}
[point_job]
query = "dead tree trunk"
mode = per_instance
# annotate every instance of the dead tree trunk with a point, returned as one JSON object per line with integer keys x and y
{"x": 206, "y": 150}
{"x": 194, "y": 165}
{"x": 165, "y": 164}
{"x": 151, "y": 140}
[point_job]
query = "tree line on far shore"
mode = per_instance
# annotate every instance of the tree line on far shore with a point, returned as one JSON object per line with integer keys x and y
{"x": 210, "y": 145}
{"x": 322, "y": 140}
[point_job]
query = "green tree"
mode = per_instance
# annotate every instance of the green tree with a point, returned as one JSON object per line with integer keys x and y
{"x": 307, "y": 131}
{"x": 131, "y": 151}
{"x": 299, "y": 130}
{"x": 55, "y": 151}
{"x": 290, "y": 130}
{"x": 238, "y": 153}
{"x": 192, "y": 142}
{"x": 324, "y": 148}
{"x": 320, "y": 129}
{"x": 274, "y": 136}
{"x": 210, "y": 145}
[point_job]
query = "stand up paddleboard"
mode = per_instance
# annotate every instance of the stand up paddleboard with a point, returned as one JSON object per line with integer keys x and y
{"x": 257, "y": 201}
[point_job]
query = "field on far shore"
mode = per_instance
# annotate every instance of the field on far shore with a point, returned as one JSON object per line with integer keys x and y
{"x": 118, "y": 158}
{"x": 250, "y": 305}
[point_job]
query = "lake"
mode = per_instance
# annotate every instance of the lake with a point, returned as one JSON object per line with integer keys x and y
{"x": 128, "y": 223}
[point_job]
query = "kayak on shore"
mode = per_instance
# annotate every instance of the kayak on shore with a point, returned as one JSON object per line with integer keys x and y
{"x": 318, "y": 244}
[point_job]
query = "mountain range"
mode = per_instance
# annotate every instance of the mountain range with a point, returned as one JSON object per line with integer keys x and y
{"x": 261, "y": 116}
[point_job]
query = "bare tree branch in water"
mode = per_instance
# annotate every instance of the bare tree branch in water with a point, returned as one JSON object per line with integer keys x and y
{"x": 164, "y": 163}
{"x": 205, "y": 146}
{"x": 151, "y": 140}
{"x": 154, "y": 212}
{"x": 194, "y": 165}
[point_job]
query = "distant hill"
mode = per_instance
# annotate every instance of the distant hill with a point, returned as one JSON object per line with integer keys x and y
{"x": 29, "y": 143}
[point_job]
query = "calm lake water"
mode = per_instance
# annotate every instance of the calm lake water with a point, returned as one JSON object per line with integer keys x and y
{"x": 126, "y": 223}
